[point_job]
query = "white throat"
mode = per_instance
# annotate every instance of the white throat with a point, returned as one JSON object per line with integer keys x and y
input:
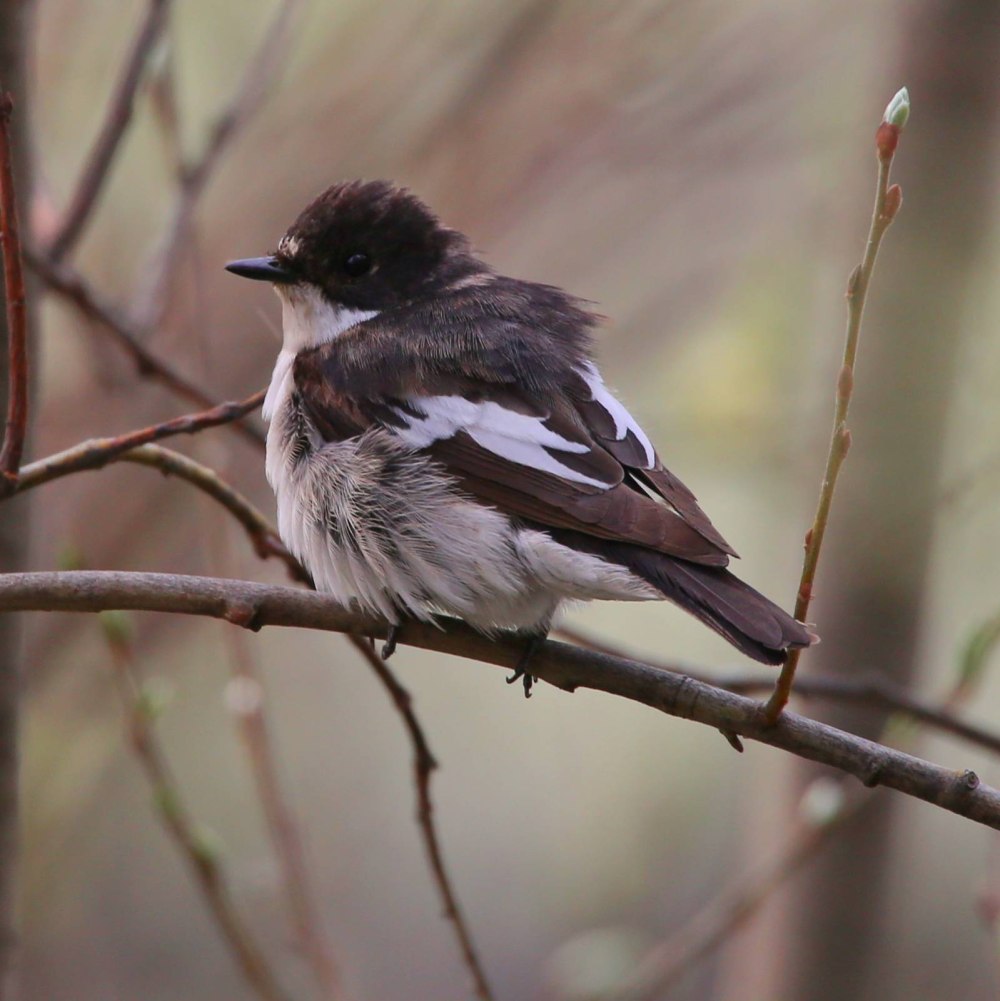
{"x": 307, "y": 320}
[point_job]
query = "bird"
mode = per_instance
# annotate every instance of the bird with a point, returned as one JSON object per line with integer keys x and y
{"x": 441, "y": 441}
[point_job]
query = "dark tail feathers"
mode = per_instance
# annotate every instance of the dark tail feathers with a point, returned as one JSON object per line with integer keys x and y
{"x": 743, "y": 616}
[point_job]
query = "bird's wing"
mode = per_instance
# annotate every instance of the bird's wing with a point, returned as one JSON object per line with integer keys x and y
{"x": 573, "y": 460}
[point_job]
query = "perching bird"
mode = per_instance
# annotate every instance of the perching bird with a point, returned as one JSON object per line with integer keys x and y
{"x": 441, "y": 440}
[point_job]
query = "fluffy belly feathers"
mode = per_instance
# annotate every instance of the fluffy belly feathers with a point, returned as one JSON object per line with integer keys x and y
{"x": 386, "y": 530}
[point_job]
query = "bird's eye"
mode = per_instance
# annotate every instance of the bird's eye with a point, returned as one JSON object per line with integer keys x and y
{"x": 357, "y": 264}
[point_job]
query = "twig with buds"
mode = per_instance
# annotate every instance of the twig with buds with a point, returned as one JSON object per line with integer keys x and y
{"x": 887, "y": 202}
{"x": 17, "y": 317}
{"x": 198, "y": 849}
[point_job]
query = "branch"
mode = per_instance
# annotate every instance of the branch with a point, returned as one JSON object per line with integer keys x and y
{"x": 17, "y": 317}
{"x": 255, "y": 605}
{"x": 265, "y": 542}
{"x": 424, "y": 764}
{"x": 873, "y": 691}
{"x": 887, "y": 203}
{"x": 244, "y": 104}
{"x": 116, "y": 121}
{"x": 70, "y": 284}
{"x": 96, "y": 453}
{"x": 199, "y": 852}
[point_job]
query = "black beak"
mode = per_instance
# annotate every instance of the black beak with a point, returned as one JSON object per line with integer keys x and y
{"x": 262, "y": 269}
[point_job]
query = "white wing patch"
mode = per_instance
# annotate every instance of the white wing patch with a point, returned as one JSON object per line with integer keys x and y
{"x": 516, "y": 437}
{"x": 623, "y": 420}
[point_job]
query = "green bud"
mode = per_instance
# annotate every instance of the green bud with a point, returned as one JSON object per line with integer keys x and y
{"x": 977, "y": 651}
{"x": 155, "y": 697}
{"x": 117, "y": 627}
{"x": 208, "y": 846}
{"x": 897, "y": 111}
{"x": 167, "y": 802}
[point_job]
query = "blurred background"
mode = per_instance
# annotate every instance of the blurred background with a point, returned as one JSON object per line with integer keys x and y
{"x": 702, "y": 170}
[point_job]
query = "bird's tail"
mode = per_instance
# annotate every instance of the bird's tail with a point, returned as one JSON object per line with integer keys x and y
{"x": 752, "y": 623}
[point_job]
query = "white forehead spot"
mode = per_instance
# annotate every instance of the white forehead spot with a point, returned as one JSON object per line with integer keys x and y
{"x": 289, "y": 245}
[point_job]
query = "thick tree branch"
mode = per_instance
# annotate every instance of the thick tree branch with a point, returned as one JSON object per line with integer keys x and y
{"x": 254, "y": 605}
{"x": 874, "y": 691}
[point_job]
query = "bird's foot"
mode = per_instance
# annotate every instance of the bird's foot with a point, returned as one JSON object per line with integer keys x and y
{"x": 521, "y": 668}
{"x": 389, "y": 646}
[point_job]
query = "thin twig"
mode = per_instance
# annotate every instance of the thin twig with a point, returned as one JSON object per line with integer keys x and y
{"x": 259, "y": 75}
{"x": 70, "y": 284}
{"x": 887, "y": 203}
{"x": 198, "y": 851}
{"x": 873, "y": 691}
{"x": 17, "y": 317}
{"x": 260, "y": 531}
{"x": 96, "y": 453}
{"x": 116, "y": 121}
{"x": 253, "y": 605}
{"x": 424, "y": 764}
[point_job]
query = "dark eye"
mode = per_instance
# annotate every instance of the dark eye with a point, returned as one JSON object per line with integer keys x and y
{"x": 357, "y": 264}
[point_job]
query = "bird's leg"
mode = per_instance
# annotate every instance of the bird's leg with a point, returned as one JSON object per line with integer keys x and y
{"x": 534, "y": 641}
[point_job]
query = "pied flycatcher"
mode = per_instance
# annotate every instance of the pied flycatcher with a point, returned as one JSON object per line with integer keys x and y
{"x": 441, "y": 440}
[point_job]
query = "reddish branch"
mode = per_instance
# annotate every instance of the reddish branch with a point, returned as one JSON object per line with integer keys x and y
{"x": 98, "y": 452}
{"x": 17, "y": 318}
{"x": 116, "y": 121}
{"x": 887, "y": 202}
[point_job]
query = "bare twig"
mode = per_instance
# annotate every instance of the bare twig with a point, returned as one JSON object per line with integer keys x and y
{"x": 70, "y": 284}
{"x": 96, "y": 453}
{"x": 17, "y": 317}
{"x": 253, "y": 88}
{"x": 872, "y": 691}
{"x": 116, "y": 120}
{"x": 424, "y": 764}
{"x": 887, "y": 203}
{"x": 254, "y": 605}
{"x": 198, "y": 851}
